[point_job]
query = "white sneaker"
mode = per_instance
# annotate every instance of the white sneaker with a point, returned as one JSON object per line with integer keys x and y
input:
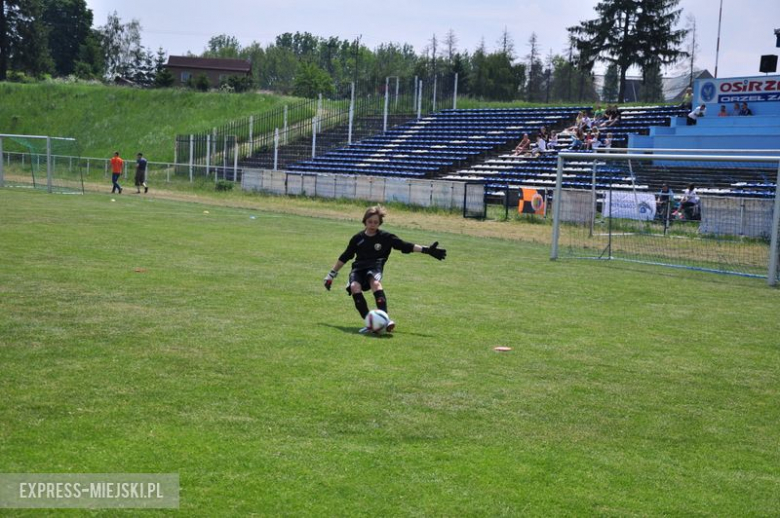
{"x": 364, "y": 330}
{"x": 390, "y": 326}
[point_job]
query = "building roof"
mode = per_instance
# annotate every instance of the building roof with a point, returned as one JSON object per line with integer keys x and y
{"x": 223, "y": 64}
{"x": 674, "y": 87}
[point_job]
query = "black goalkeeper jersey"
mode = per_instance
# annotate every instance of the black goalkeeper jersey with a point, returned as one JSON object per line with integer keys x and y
{"x": 373, "y": 251}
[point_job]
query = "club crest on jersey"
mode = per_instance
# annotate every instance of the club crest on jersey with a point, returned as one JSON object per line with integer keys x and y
{"x": 377, "y": 246}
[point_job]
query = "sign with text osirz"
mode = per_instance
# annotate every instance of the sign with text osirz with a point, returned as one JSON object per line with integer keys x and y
{"x": 762, "y": 89}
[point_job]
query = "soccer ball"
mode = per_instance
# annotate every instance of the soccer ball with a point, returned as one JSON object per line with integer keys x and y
{"x": 377, "y": 320}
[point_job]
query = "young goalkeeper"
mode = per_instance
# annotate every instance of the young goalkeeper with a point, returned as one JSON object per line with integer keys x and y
{"x": 371, "y": 248}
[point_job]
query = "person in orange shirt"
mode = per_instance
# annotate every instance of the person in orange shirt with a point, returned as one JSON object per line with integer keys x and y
{"x": 117, "y": 164}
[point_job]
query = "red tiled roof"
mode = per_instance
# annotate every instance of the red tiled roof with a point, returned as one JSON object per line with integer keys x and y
{"x": 233, "y": 65}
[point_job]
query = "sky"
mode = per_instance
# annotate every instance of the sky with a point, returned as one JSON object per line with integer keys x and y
{"x": 178, "y": 26}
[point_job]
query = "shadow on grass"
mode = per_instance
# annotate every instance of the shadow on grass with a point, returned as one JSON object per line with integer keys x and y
{"x": 350, "y": 330}
{"x": 354, "y": 331}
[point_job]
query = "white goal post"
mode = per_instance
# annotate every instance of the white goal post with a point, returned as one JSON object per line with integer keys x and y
{"x": 28, "y": 150}
{"x": 604, "y": 207}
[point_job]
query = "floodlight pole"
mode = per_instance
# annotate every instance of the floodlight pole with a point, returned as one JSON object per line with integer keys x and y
{"x": 717, "y": 45}
{"x": 2, "y": 181}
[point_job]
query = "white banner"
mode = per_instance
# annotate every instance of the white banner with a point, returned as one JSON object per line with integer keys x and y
{"x": 629, "y": 205}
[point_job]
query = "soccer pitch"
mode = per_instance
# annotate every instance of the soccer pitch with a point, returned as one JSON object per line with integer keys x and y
{"x": 154, "y": 336}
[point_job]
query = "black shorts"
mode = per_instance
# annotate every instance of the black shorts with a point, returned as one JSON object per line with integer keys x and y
{"x": 140, "y": 178}
{"x": 364, "y": 277}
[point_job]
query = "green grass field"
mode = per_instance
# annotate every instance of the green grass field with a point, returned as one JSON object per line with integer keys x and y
{"x": 147, "y": 336}
{"x": 104, "y": 119}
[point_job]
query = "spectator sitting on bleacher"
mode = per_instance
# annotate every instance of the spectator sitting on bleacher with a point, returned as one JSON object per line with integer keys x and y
{"x": 588, "y": 142}
{"x": 523, "y": 146}
{"x": 577, "y": 123}
{"x": 689, "y": 203}
{"x": 745, "y": 110}
{"x": 608, "y": 140}
{"x": 695, "y": 114}
{"x": 576, "y": 140}
{"x": 612, "y": 115}
{"x": 552, "y": 143}
{"x": 599, "y": 115}
{"x": 723, "y": 112}
{"x": 736, "y": 109}
{"x": 541, "y": 146}
{"x": 597, "y": 141}
{"x": 587, "y": 122}
{"x": 543, "y": 131}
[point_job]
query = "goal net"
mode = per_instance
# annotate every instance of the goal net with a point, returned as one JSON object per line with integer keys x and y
{"x": 41, "y": 162}
{"x": 634, "y": 206}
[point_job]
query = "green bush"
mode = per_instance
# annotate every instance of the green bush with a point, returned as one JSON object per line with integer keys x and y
{"x": 224, "y": 185}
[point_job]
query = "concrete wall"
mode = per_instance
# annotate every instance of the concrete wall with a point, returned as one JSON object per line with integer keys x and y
{"x": 712, "y": 132}
{"x": 424, "y": 193}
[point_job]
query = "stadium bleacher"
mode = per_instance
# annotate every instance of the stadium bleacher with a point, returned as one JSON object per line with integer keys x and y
{"x": 474, "y": 144}
{"x": 436, "y": 144}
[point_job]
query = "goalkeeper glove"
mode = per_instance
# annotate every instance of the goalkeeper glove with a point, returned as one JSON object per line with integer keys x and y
{"x": 435, "y": 251}
{"x": 329, "y": 279}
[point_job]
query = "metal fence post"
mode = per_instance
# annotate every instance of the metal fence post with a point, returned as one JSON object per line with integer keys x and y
{"x": 351, "y": 112}
{"x": 208, "y": 154}
{"x": 319, "y": 114}
{"x": 285, "y": 124}
{"x": 251, "y": 135}
{"x": 419, "y": 101}
{"x": 414, "y": 98}
{"x": 276, "y": 148}
{"x": 387, "y": 99}
{"x": 192, "y": 146}
{"x": 235, "y": 158}
{"x": 49, "y": 172}
{"x": 2, "y": 181}
{"x": 314, "y": 137}
{"x": 435, "y": 82}
{"x": 455, "y": 93}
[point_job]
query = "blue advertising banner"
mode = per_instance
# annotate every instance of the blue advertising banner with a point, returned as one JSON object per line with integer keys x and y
{"x": 762, "y": 94}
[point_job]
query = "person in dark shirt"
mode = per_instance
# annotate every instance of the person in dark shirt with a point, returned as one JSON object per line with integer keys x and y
{"x": 140, "y": 174}
{"x": 371, "y": 248}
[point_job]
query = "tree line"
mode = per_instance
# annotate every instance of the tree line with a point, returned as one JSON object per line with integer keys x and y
{"x": 57, "y": 38}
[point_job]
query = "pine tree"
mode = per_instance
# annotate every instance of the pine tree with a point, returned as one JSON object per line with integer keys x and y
{"x": 629, "y": 33}
{"x": 535, "y": 80}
